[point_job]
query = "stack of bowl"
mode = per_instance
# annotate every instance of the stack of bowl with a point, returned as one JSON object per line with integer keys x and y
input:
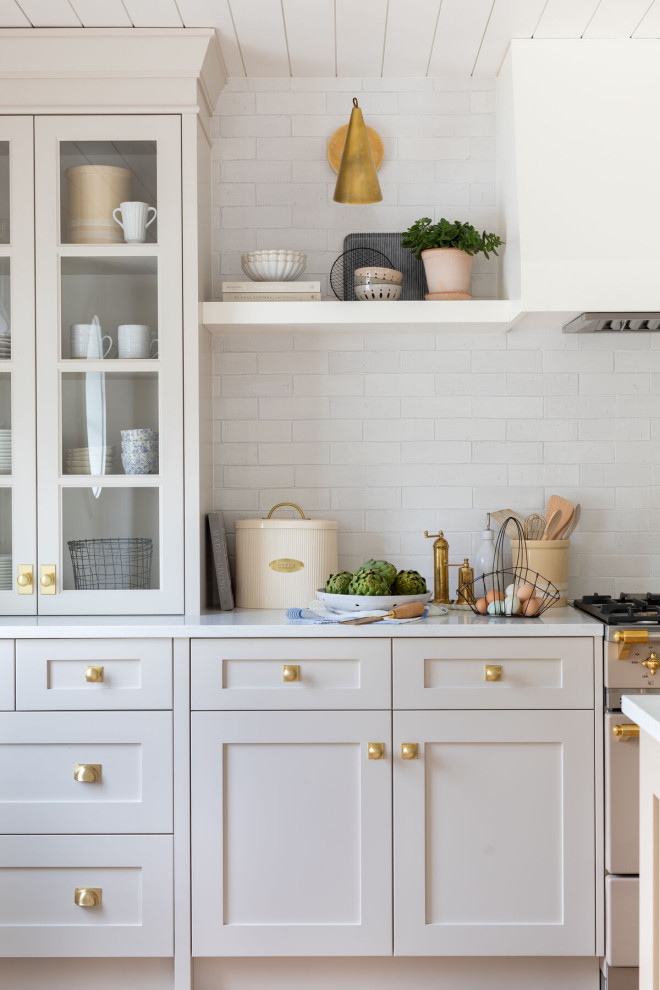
{"x": 377, "y": 283}
{"x": 139, "y": 451}
{"x": 89, "y": 460}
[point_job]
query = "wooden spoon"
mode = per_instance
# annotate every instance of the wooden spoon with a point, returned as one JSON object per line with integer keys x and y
{"x": 574, "y": 521}
{"x": 557, "y": 524}
{"x": 553, "y": 521}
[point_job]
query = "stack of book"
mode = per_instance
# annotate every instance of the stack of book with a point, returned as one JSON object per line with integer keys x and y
{"x": 271, "y": 291}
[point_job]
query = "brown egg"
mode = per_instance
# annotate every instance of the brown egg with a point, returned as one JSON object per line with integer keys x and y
{"x": 494, "y": 596}
{"x": 525, "y": 591}
{"x": 532, "y": 605}
{"x": 481, "y": 606}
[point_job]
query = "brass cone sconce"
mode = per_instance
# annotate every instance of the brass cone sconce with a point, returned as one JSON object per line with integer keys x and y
{"x": 357, "y": 182}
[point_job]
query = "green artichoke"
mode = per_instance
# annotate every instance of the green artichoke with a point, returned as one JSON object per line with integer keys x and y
{"x": 337, "y": 584}
{"x": 383, "y": 567}
{"x": 409, "y": 583}
{"x": 368, "y": 583}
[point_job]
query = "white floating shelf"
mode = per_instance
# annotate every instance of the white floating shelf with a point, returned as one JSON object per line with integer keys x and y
{"x": 471, "y": 316}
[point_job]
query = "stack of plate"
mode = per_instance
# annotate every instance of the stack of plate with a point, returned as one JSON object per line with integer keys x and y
{"x": 5, "y": 451}
{"x": 77, "y": 460}
{"x": 5, "y": 572}
{"x": 5, "y": 345}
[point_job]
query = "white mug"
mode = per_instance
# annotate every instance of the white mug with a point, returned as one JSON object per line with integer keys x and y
{"x": 135, "y": 222}
{"x": 86, "y": 341}
{"x": 134, "y": 341}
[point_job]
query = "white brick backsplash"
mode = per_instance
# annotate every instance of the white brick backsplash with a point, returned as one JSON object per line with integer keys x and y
{"x": 406, "y": 429}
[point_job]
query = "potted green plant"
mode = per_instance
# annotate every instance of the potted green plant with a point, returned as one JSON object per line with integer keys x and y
{"x": 447, "y": 250}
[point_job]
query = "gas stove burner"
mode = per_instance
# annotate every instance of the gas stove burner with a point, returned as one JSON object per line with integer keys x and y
{"x": 627, "y": 609}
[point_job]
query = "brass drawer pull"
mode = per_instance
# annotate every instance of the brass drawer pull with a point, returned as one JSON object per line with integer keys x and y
{"x": 376, "y": 751}
{"x": 88, "y": 896}
{"x": 291, "y": 672}
{"x": 624, "y": 732}
{"x": 94, "y": 675}
{"x": 87, "y": 773}
{"x": 409, "y": 751}
{"x": 492, "y": 672}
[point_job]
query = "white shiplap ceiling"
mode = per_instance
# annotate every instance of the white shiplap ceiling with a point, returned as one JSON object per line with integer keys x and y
{"x": 356, "y": 37}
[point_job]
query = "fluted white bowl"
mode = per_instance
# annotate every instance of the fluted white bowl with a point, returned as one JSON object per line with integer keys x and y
{"x": 281, "y": 265}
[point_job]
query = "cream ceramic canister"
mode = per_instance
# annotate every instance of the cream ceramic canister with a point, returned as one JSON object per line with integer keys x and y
{"x": 281, "y": 563}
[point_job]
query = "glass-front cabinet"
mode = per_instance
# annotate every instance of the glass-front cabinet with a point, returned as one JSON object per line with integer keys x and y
{"x": 107, "y": 264}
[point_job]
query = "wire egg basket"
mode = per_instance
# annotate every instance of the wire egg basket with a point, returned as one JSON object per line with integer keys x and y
{"x": 517, "y": 592}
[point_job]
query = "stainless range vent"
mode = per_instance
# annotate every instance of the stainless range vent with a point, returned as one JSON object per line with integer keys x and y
{"x": 613, "y": 322}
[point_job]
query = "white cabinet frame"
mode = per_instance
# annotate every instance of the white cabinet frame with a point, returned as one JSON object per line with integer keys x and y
{"x": 166, "y": 131}
{"x": 19, "y": 132}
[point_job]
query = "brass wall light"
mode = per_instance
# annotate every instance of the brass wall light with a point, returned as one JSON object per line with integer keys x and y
{"x": 355, "y": 152}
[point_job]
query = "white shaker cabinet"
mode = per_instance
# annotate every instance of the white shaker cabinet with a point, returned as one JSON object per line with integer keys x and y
{"x": 494, "y": 833}
{"x": 291, "y": 834}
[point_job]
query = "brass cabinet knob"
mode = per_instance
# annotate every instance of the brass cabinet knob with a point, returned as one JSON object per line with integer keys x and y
{"x": 492, "y": 672}
{"x": 23, "y": 580}
{"x": 409, "y": 751}
{"x": 624, "y": 732}
{"x": 46, "y": 580}
{"x": 88, "y": 896}
{"x": 291, "y": 672}
{"x": 94, "y": 674}
{"x": 376, "y": 751}
{"x": 87, "y": 773}
{"x": 652, "y": 662}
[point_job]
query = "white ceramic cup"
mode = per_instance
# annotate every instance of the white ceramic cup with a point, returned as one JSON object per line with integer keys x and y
{"x": 134, "y": 341}
{"x": 134, "y": 221}
{"x": 86, "y": 341}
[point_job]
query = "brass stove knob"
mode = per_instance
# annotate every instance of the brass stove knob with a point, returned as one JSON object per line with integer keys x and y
{"x": 652, "y": 662}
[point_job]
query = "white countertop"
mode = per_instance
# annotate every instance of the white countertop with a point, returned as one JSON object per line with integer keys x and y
{"x": 644, "y": 710}
{"x": 266, "y": 623}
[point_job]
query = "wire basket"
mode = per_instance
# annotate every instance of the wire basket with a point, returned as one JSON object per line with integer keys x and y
{"x": 488, "y": 593}
{"x": 113, "y": 564}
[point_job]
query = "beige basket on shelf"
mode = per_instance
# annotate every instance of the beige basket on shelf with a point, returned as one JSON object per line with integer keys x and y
{"x": 93, "y": 192}
{"x": 550, "y": 559}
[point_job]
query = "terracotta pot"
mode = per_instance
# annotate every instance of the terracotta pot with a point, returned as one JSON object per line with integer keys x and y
{"x": 447, "y": 272}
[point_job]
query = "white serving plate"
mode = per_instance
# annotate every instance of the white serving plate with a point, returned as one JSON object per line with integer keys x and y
{"x": 367, "y": 603}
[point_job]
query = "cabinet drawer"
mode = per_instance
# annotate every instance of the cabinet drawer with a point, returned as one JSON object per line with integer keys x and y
{"x": 124, "y": 760}
{"x": 38, "y": 879}
{"x": 252, "y": 674}
{"x": 622, "y": 921}
{"x": 6, "y": 675}
{"x": 556, "y": 672}
{"x": 53, "y": 674}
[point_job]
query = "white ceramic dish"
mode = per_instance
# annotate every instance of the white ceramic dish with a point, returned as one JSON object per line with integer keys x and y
{"x": 281, "y": 265}
{"x": 366, "y": 603}
{"x": 378, "y": 291}
{"x": 378, "y": 275}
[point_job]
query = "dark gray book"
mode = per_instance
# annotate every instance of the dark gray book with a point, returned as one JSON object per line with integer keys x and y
{"x": 218, "y": 541}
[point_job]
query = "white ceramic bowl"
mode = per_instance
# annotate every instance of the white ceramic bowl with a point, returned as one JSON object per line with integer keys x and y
{"x": 378, "y": 291}
{"x": 365, "y": 603}
{"x": 379, "y": 275}
{"x": 281, "y": 265}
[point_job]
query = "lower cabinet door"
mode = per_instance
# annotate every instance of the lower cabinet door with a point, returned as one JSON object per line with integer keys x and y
{"x": 100, "y": 895}
{"x": 291, "y": 834}
{"x": 494, "y": 833}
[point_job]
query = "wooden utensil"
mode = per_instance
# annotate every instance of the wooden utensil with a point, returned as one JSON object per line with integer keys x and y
{"x": 557, "y": 522}
{"x": 556, "y": 502}
{"x": 410, "y": 611}
{"x": 574, "y": 521}
{"x": 564, "y": 526}
{"x": 534, "y": 527}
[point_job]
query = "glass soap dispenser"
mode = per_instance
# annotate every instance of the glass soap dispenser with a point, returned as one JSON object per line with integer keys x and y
{"x": 485, "y": 562}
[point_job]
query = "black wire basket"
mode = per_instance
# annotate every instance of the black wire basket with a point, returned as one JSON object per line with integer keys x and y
{"x": 112, "y": 564}
{"x": 532, "y": 593}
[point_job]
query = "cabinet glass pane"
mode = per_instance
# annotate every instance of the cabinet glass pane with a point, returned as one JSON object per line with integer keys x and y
{"x": 5, "y": 539}
{"x": 5, "y": 424}
{"x": 4, "y": 192}
{"x": 111, "y": 540}
{"x": 110, "y": 423}
{"x": 118, "y": 292}
{"x": 96, "y": 176}
{"x": 5, "y": 310}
